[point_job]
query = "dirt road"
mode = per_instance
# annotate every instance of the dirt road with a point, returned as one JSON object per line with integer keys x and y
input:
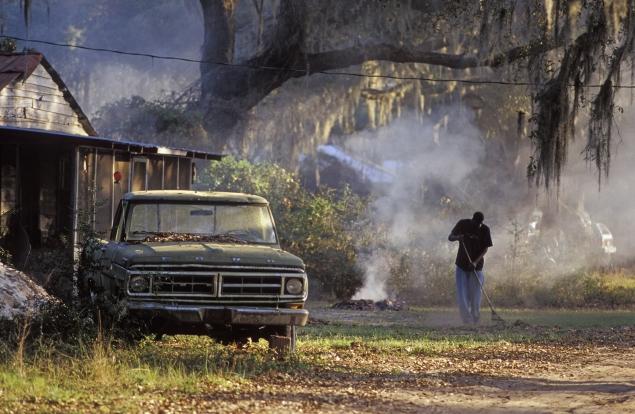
{"x": 602, "y": 383}
{"x": 582, "y": 371}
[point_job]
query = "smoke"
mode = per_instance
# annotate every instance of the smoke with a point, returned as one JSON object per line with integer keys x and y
{"x": 444, "y": 170}
{"x": 609, "y": 200}
{"x": 430, "y": 158}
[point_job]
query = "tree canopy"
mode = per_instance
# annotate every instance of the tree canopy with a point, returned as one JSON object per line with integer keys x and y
{"x": 568, "y": 55}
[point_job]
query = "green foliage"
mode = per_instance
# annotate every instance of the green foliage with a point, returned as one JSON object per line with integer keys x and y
{"x": 323, "y": 228}
{"x": 279, "y": 186}
{"x": 325, "y": 231}
{"x": 589, "y": 289}
{"x": 56, "y": 322}
{"x": 577, "y": 289}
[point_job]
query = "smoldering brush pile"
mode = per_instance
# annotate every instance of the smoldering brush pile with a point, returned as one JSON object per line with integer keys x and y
{"x": 371, "y": 305}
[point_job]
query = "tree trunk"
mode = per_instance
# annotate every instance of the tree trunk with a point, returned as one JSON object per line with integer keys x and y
{"x": 218, "y": 46}
{"x": 229, "y": 91}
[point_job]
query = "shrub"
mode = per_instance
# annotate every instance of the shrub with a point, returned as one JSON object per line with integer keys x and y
{"x": 322, "y": 228}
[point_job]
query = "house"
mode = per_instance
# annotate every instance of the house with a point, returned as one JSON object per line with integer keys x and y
{"x": 56, "y": 173}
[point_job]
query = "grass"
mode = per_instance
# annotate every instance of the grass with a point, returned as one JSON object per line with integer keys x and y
{"x": 608, "y": 288}
{"x": 107, "y": 376}
{"x": 110, "y": 374}
{"x": 620, "y": 280}
{"x": 570, "y": 318}
{"x": 584, "y": 288}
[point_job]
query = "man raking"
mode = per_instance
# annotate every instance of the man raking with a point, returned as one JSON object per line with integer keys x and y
{"x": 474, "y": 239}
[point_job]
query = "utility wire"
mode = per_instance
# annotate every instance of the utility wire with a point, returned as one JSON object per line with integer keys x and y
{"x": 292, "y": 70}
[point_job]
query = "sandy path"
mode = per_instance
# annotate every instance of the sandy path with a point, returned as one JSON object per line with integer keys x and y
{"x": 586, "y": 371}
{"x": 591, "y": 380}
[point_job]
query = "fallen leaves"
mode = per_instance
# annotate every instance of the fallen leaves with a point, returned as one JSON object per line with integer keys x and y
{"x": 387, "y": 369}
{"x": 159, "y": 237}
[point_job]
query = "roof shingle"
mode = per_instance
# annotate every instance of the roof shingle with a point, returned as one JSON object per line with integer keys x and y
{"x": 17, "y": 66}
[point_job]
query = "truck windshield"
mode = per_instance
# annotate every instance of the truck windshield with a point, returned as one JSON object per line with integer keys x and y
{"x": 200, "y": 222}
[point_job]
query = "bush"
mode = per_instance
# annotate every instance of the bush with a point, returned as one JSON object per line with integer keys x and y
{"x": 573, "y": 290}
{"x": 58, "y": 323}
{"x": 322, "y": 228}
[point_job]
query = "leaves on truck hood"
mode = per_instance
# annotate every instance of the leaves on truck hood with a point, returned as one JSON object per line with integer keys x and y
{"x": 158, "y": 237}
{"x": 179, "y": 252}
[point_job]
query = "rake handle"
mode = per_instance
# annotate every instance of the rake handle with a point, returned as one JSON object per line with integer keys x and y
{"x": 489, "y": 302}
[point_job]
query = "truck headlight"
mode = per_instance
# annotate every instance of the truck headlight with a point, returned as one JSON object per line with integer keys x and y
{"x": 138, "y": 284}
{"x": 294, "y": 286}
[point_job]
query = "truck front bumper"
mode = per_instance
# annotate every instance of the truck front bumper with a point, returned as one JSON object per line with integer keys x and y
{"x": 234, "y": 315}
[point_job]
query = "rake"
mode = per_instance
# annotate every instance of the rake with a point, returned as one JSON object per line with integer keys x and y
{"x": 495, "y": 317}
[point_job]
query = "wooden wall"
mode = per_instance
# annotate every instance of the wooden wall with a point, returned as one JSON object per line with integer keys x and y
{"x": 38, "y": 103}
{"x": 99, "y": 195}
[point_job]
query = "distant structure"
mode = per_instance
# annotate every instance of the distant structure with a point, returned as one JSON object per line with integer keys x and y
{"x": 56, "y": 174}
{"x": 32, "y": 95}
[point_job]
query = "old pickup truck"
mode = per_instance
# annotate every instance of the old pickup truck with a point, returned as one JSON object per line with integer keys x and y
{"x": 189, "y": 262}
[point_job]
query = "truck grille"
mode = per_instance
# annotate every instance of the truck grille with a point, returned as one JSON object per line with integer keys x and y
{"x": 183, "y": 285}
{"x": 216, "y": 282}
{"x": 252, "y": 285}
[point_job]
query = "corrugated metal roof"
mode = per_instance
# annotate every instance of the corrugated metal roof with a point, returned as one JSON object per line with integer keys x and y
{"x": 15, "y": 66}
{"x": 31, "y": 135}
{"x": 190, "y": 195}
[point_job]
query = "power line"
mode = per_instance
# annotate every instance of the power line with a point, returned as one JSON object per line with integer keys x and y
{"x": 270, "y": 68}
{"x": 292, "y": 70}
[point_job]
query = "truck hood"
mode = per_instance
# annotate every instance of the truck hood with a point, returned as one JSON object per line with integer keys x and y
{"x": 204, "y": 253}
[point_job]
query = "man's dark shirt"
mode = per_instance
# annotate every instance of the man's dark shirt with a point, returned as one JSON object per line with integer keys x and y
{"x": 476, "y": 239}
